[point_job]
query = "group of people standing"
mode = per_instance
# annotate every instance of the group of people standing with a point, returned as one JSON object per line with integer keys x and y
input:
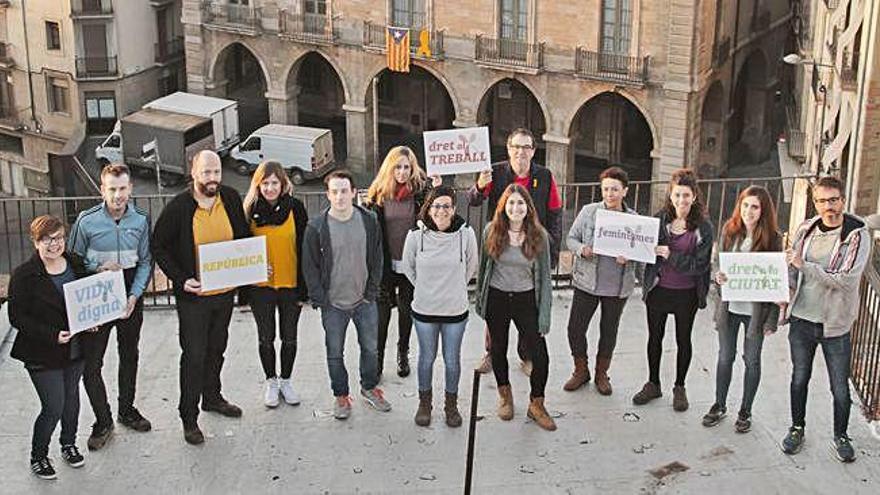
{"x": 407, "y": 248}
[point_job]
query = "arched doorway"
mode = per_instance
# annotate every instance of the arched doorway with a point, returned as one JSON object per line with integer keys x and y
{"x": 509, "y": 104}
{"x": 409, "y": 104}
{"x": 711, "y": 152}
{"x": 239, "y": 76}
{"x": 748, "y": 131}
{"x": 319, "y": 98}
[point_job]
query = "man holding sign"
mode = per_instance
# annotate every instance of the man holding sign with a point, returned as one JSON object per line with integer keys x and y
{"x": 206, "y": 213}
{"x": 541, "y": 185}
{"x": 115, "y": 236}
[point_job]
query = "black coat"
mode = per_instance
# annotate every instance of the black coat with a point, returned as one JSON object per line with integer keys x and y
{"x": 37, "y": 310}
{"x": 172, "y": 243}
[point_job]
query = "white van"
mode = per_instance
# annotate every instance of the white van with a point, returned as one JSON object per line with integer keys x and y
{"x": 305, "y": 152}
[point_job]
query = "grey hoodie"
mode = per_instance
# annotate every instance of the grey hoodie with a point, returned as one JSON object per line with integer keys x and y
{"x": 440, "y": 265}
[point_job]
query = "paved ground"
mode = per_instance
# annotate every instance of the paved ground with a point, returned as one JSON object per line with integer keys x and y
{"x": 603, "y": 445}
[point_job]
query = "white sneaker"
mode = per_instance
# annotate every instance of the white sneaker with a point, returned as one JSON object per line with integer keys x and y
{"x": 287, "y": 391}
{"x": 271, "y": 397}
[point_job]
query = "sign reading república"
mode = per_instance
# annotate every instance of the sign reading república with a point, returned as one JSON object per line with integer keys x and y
{"x": 233, "y": 263}
{"x": 756, "y": 277}
{"x": 622, "y": 234}
{"x": 95, "y": 300}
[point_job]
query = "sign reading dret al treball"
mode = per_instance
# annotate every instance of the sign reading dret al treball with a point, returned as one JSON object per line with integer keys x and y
{"x": 223, "y": 265}
{"x": 457, "y": 151}
{"x": 95, "y": 300}
{"x": 622, "y": 234}
{"x": 757, "y": 277}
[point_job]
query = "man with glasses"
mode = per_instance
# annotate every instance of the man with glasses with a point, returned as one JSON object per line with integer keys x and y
{"x": 115, "y": 235}
{"x": 826, "y": 261}
{"x": 536, "y": 179}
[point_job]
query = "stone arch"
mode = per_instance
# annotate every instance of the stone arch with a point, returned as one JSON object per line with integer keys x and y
{"x": 655, "y": 135}
{"x": 294, "y": 65}
{"x": 247, "y": 85}
{"x": 212, "y": 67}
{"x": 749, "y": 106}
{"x": 379, "y": 68}
{"x": 524, "y": 109}
{"x": 711, "y": 149}
{"x": 545, "y": 111}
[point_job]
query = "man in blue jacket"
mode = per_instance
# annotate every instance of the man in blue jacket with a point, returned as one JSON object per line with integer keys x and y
{"x": 115, "y": 235}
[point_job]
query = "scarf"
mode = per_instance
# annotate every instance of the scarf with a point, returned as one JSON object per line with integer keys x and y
{"x": 265, "y": 214}
{"x": 402, "y": 192}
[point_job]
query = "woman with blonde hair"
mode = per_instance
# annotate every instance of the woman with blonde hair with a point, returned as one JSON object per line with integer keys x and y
{"x": 396, "y": 196}
{"x": 273, "y": 212}
{"x": 514, "y": 285}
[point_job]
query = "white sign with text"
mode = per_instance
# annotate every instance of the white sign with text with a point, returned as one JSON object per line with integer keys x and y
{"x": 223, "y": 265}
{"x": 457, "y": 151}
{"x": 95, "y": 300}
{"x": 622, "y": 234}
{"x": 755, "y": 277}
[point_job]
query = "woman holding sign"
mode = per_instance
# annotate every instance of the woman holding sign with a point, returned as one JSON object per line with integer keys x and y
{"x": 677, "y": 283}
{"x": 751, "y": 228}
{"x": 514, "y": 284}
{"x": 274, "y": 213}
{"x": 52, "y": 355}
{"x": 396, "y": 196}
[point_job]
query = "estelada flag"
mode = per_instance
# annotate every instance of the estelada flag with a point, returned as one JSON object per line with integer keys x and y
{"x": 397, "y": 48}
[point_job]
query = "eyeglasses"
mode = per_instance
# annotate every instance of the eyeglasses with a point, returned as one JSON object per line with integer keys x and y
{"x": 520, "y": 146}
{"x": 829, "y": 201}
{"x": 442, "y": 207}
{"x": 48, "y": 241}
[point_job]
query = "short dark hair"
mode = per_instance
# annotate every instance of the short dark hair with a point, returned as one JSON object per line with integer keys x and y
{"x": 115, "y": 169}
{"x": 830, "y": 182}
{"x": 339, "y": 174}
{"x": 435, "y": 193}
{"x": 521, "y": 131}
{"x": 615, "y": 173}
{"x": 44, "y": 226}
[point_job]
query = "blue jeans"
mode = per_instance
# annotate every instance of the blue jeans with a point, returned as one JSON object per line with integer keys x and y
{"x": 452, "y": 334}
{"x": 752, "y": 345}
{"x": 58, "y": 390}
{"x": 366, "y": 321}
{"x": 804, "y": 336}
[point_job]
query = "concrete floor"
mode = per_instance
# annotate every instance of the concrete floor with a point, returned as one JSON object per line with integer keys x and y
{"x": 603, "y": 444}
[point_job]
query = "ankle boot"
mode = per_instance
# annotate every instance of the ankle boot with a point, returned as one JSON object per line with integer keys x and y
{"x": 453, "y": 417}
{"x": 403, "y": 363}
{"x": 538, "y": 414}
{"x": 603, "y": 383}
{"x": 423, "y": 414}
{"x": 580, "y": 376}
{"x": 505, "y": 403}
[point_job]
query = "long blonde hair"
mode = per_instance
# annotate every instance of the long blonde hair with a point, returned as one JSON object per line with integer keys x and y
{"x": 384, "y": 186}
{"x": 266, "y": 169}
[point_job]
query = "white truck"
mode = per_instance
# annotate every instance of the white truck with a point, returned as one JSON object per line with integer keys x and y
{"x": 223, "y": 113}
{"x": 305, "y": 152}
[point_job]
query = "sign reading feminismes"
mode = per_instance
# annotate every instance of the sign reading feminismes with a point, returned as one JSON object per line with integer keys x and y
{"x": 621, "y": 234}
{"x": 756, "y": 277}
{"x": 233, "y": 263}
{"x": 457, "y": 151}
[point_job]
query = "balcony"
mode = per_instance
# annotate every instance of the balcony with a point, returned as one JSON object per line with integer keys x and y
{"x": 832, "y": 4}
{"x": 6, "y": 60}
{"x": 169, "y": 51}
{"x": 91, "y": 9}
{"x": 374, "y": 39}
{"x": 96, "y": 67}
{"x": 230, "y": 17}
{"x": 721, "y": 52}
{"x": 509, "y": 54}
{"x": 307, "y": 28}
{"x": 8, "y": 115}
{"x": 795, "y": 138}
{"x": 849, "y": 72}
{"x": 611, "y": 67}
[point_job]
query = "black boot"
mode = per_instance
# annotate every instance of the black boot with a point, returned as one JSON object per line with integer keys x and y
{"x": 403, "y": 364}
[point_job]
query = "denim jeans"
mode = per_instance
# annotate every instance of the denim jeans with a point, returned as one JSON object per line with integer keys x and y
{"x": 804, "y": 336}
{"x": 752, "y": 345}
{"x": 58, "y": 390}
{"x": 366, "y": 321}
{"x": 452, "y": 335}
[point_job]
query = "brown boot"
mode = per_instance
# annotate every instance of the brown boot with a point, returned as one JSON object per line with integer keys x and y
{"x": 453, "y": 417}
{"x": 423, "y": 414}
{"x": 580, "y": 376}
{"x": 505, "y": 403}
{"x": 603, "y": 383}
{"x": 538, "y": 414}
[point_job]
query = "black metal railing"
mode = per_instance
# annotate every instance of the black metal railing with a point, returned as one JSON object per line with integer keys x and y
{"x": 832, "y": 4}
{"x": 865, "y": 361}
{"x": 611, "y": 67}
{"x": 795, "y": 138}
{"x": 374, "y": 37}
{"x": 721, "y": 52}
{"x": 91, "y": 8}
{"x": 509, "y": 53}
{"x": 231, "y": 15}
{"x": 169, "y": 50}
{"x": 307, "y": 27}
{"x": 103, "y": 66}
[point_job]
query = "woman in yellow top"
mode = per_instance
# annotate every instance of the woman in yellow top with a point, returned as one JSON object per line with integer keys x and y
{"x": 273, "y": 212}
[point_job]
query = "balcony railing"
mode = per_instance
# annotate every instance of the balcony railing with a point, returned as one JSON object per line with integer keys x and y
{"x": 721, "y": 52}
{"x": 795, "y": 138}
{"x": 231, "y": 15}
{"x": 611, "y": 67}
{"x": 512, "y": 54}
{"x": 849, "y": 73}
{"x": 7, "y": 112}
{"x": 169, "y": 51}
{"x": 87, "y": 67}
{"x": 832, "y": 4}
{"x": 374, "y": 37}
{"x": 85, "y": 8}
{"x": 314, "y": 28}
{"x": 5, "y": 54}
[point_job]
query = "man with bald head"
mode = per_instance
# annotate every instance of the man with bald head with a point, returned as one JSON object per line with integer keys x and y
{"x": 206, "y": 212}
